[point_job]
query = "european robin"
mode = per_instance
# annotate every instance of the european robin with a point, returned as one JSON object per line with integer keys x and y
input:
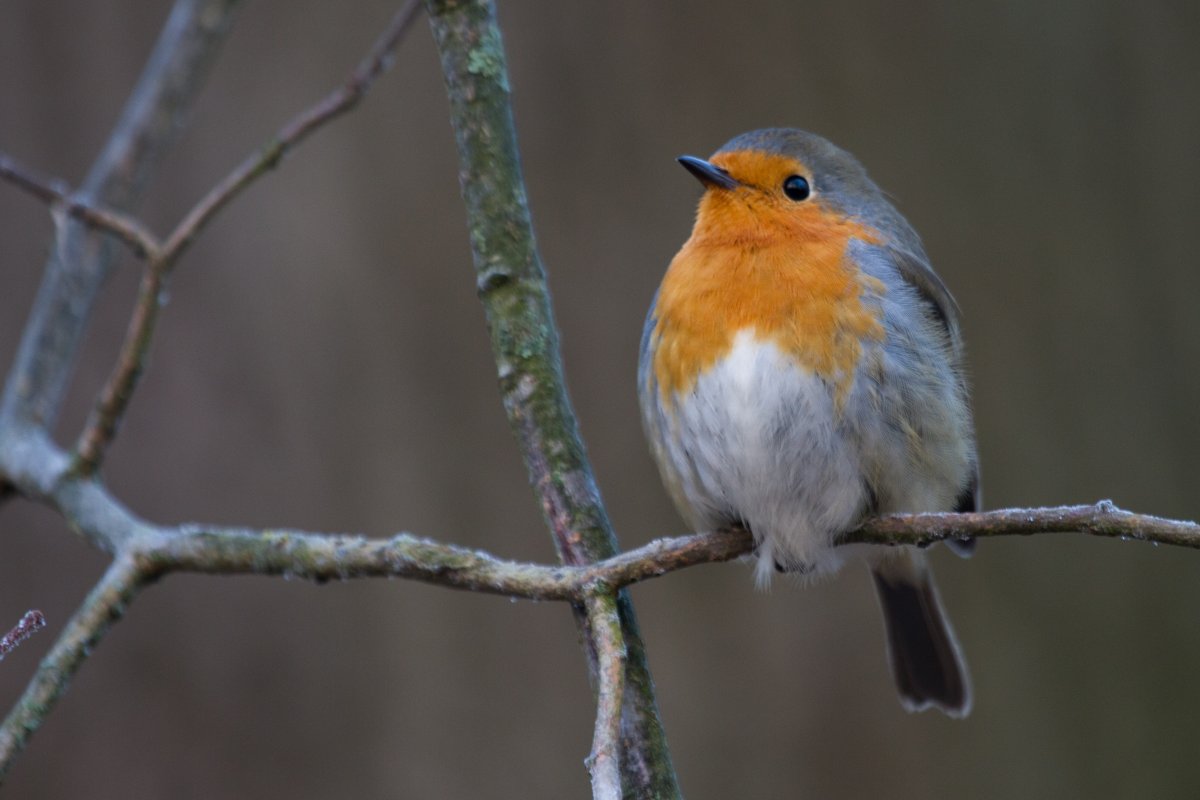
{"x": 801, "y": 369}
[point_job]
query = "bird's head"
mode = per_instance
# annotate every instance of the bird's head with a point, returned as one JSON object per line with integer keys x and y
{"x": 781, "y": 182}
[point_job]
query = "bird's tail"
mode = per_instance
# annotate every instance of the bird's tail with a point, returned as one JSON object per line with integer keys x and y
{"x": 926, "y": 661}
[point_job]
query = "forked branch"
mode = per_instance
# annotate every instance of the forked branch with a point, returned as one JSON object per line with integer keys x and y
{"x": 161, "y": 257}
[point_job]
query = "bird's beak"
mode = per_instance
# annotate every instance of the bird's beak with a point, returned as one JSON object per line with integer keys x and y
{"x": 709, "y": 174}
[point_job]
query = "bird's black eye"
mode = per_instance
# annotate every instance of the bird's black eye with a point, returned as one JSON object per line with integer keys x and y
{"x": 796, "y": 187}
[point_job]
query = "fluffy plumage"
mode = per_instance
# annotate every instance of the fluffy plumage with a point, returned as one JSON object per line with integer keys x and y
{"x": 801, "y": 368}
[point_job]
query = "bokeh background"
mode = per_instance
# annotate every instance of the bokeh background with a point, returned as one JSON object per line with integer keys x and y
{"x": 323, "y": 364}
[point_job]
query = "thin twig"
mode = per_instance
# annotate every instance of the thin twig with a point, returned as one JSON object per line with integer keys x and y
{"x": 114, "y": 397}
{"x": 57, "y": 194}
{"x": 333, "y": 105}
{"x": 81, "y": 260}
{"x": 1101, "y": 519}
{"x": 104, "y": 605}
{"x": 604, "y": 762}
{"x": 31, "y": 623}
{"x": 117, "y": 391}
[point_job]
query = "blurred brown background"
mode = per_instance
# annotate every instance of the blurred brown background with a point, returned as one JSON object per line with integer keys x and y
{"x": 323, "y": 364}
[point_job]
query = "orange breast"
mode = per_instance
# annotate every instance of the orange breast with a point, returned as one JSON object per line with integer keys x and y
{"x": 781, "y": 273}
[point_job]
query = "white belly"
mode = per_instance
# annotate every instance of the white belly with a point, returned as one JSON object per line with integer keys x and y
{"x": 759, "y": 441}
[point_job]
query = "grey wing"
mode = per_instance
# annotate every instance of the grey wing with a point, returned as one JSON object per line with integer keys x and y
{"x": 916, "y": 270}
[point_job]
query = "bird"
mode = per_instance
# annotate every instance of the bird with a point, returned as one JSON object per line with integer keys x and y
{"x": 802, "y": 369}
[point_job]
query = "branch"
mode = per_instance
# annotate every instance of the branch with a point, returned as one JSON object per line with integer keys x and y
{"x": 145, "y": 551}
{"x": 511, "y": 283}
{"x": 80, "y": 261}
{"x": 1102, "y": 519}
{"x": 604, "y": 762}
{"x": 57, "y": 194}
{"x": 329, "y": 108}
{"x": 31, "y": 623}
{"x": 114, "y": 397}
{"x": 322, "y": 557}
{"x": 103, "y": 606}
{"x": 41, "y": 471}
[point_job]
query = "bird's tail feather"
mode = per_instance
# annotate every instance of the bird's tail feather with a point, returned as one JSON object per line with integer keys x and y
{"x": 926, "y": 661}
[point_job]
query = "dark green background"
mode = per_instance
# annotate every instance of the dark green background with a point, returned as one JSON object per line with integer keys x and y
{"x": 323, "y": 364}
